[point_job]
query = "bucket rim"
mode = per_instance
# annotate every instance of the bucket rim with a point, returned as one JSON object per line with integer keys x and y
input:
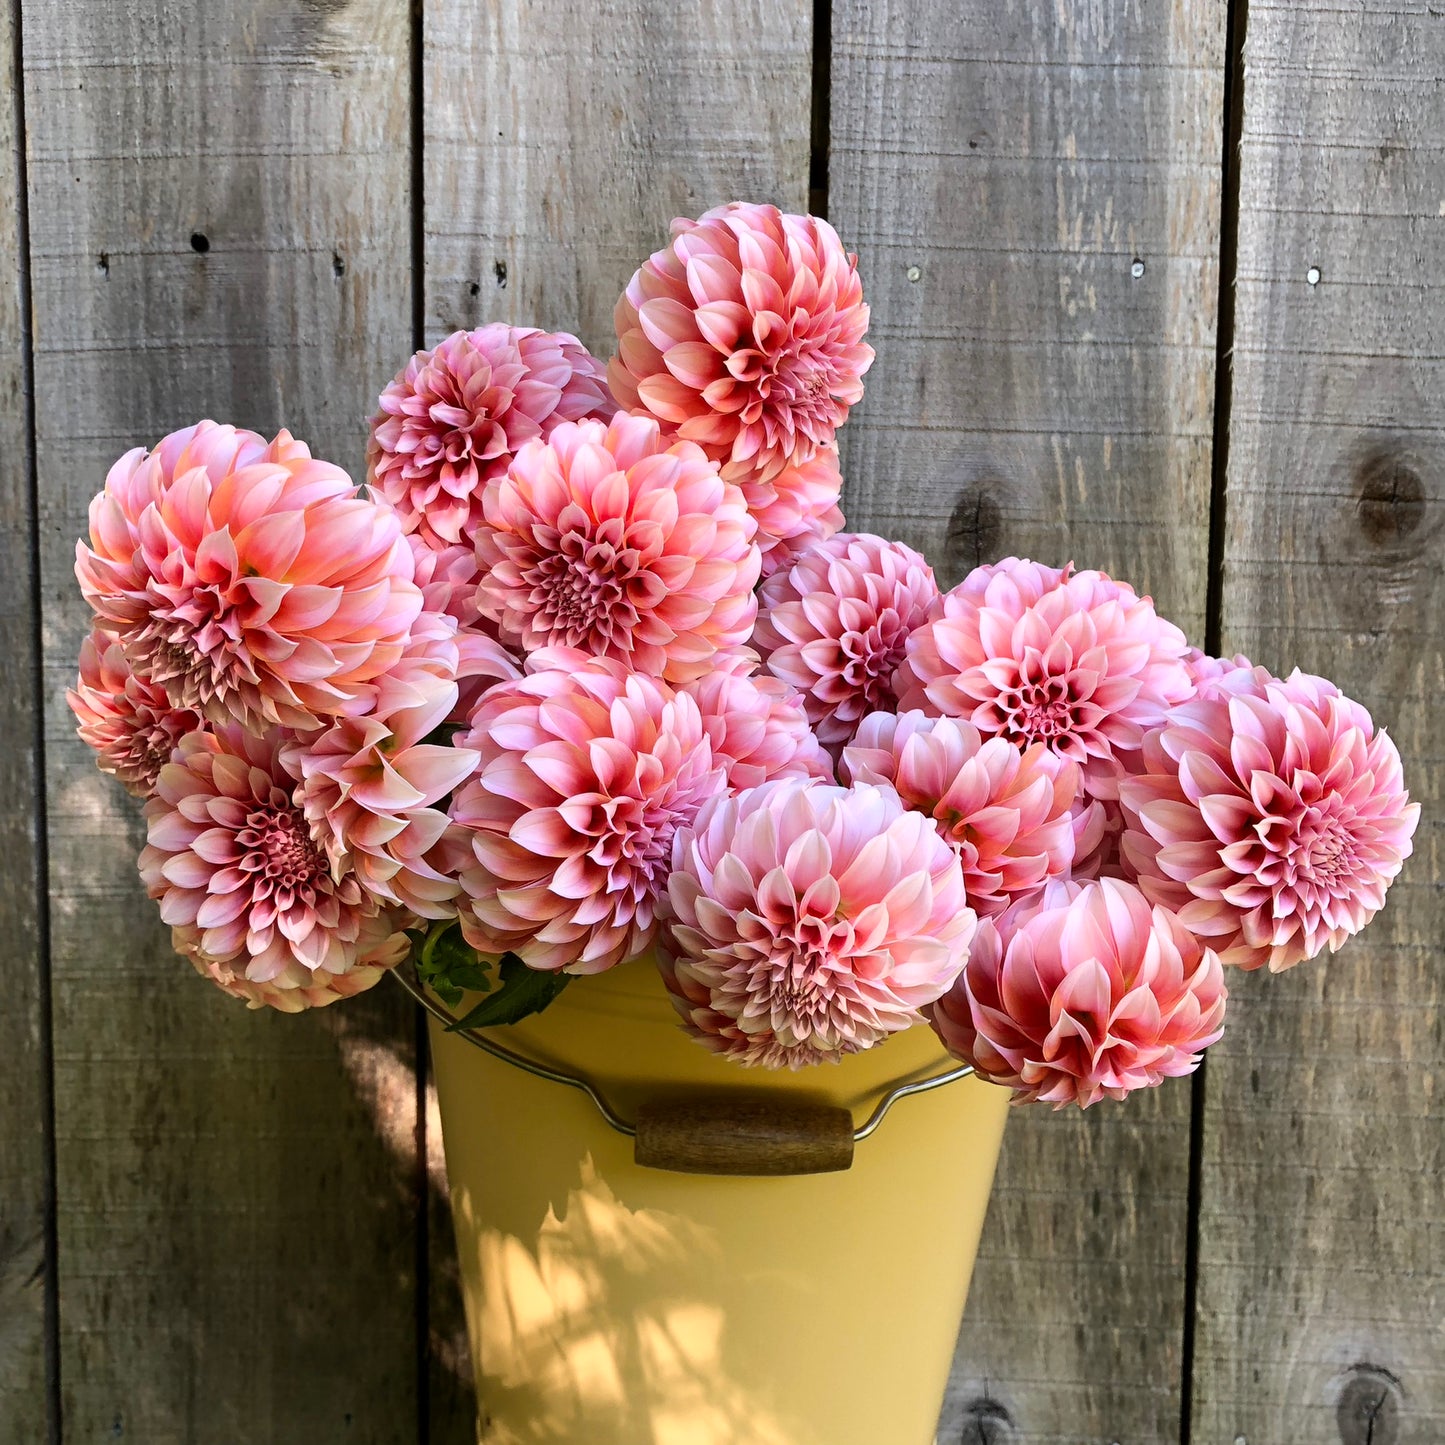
{"x": 477, "y": 1037}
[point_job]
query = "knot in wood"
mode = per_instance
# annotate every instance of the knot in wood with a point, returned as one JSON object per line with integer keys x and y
{"x": 1390, "y": 495}
{"x": 986, "y": 1422}
{"x": 975, "y": 527}
{"x": 1369, "y": 1408}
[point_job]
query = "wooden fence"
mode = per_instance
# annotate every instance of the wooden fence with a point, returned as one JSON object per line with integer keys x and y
{"x": 1156, "y": 284}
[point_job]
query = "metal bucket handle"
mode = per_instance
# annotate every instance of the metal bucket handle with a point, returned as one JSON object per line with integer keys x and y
{"x": 701, "y": 1134}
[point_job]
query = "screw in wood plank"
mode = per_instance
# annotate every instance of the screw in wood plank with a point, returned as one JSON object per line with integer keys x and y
{"x": 1137, "y": 269}
{"x": 1313, "y": 275}
{"x": 914, "y": 273}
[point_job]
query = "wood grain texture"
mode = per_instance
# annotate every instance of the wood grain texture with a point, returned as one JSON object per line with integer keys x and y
{"x": 23, "y": 1110}
{"x": 1322, "y": 1251}
{"x": 1033, "y": 192}
{"x": 559, "y": 142}
{"x": 220, "y": 206}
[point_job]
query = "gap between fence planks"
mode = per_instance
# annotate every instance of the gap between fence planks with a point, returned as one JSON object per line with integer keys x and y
{"x": 1322, "y": 1248}
{"x": 220, "y": 203}
{"x": 1033, "y": 191}
{"x": 559, "y": 142}
{"x": 24, "y": 1388}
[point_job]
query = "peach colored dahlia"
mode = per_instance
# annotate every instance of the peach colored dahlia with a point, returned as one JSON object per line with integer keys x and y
{"x": 127, "y": 720}
{"x": 613, "y": 540}
{"x": 1084, "y": 993}
{"x": 381, "y": 945}
{"x": 1271, "y": 815}
{"x": 586, "y": 772}
{"x": 834, "y": 624}
{"x": 252, "y": 899}
{"x": 758, "y": 727}
{"x": 455, "y": 416}
{"x": 807, "y": 921}
{"x": 374, "y": 791}
{"x": 795, "y": 507}
{"x": 1008, "y": 814}
{"x": 1074, "y": 660}
{"x": 246, "y": 578}
{"x": 745, "y": 334}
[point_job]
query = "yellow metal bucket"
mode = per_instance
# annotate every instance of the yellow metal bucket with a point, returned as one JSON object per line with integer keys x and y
{"x": 610, "y": 1303}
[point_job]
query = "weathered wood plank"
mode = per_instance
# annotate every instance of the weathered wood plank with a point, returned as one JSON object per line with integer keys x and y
{"x": 220, "y": 220}
{"x": 24, "y": 1407}
{"x": 559, "y": 142}
{"x": 1322, "y": 1250}
{"x": 1033, "y": 193}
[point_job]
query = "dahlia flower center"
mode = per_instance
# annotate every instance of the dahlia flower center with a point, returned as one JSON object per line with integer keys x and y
{"x": 871, "y": 658}
{"x": 797, "y": 985}
{"x": 279, "y": 851}
{"x": 1041, "y": 711}
{"x": 196, "y": 661}
{"x": 632, "y": 836}
{"x": 451, "y": 425}
{"x": 1322, "y": 850}
{"x": 582, "y": 589}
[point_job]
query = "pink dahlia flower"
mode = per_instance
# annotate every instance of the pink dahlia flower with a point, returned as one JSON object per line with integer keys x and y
{"x": 1084, "y": 993}
{"x": 758, "y": 728}
{"x": 585, "y": 775}
{"x": 457, "y": 414}
{"x": 1008, "y": 814}
{"x": 374, "y": 791}
{"x": 380, "y": 946}
{"x": 247, "y": 579}
{"x": 253, "y": 899}
{"x": 615, "y": 541}
{"x": 834, "y": 624}
{"x": 1205, "y": 671}
{"x": 795, "y": 507}
{"x": 1271, "y": 816}
{"x": 128, "y": 721}
{"x": 806, "y": 922}
{"x": 448, "y": 578}
{"x": 745, "y": 335}
{"x": 1036, "y": 654}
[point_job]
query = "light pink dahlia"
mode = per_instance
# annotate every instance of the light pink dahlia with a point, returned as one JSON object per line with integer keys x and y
{"x": 374, "y": 791}
{"x": 758, "y": 727}
{"x": 127, "y": 720}
{"x": 1008, "y": 814}
{"x": 246, "y": 578}
{"x": 448, "y": 578}
{"x": 1271, "y": 816}
{"x": 806, "y": 921}
{"x": 795, "y": 507}
{"x": 1074, "y": 660}
{"x": 457, "y": 414}
{"x": 1205, "y": 671}
{"x": 380, "y": 946}
{"x": 834, "y": 624}
{"x": 745, "y": 335}
{"x": 1084, "y": 993}
{"x": 585, "y": 774}
{"x": 615, "y": 541}
{"x": 253, "y": 899}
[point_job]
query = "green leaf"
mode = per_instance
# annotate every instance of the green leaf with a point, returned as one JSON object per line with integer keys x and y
{"x": 524, "y": 991}
{"x": 448, "y": 965}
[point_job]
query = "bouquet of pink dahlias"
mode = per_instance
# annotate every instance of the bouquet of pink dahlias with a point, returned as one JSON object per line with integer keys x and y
{"x": 588, "y": 671}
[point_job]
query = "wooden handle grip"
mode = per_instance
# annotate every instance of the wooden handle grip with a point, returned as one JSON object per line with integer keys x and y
{"x": 743, "y": 1136}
